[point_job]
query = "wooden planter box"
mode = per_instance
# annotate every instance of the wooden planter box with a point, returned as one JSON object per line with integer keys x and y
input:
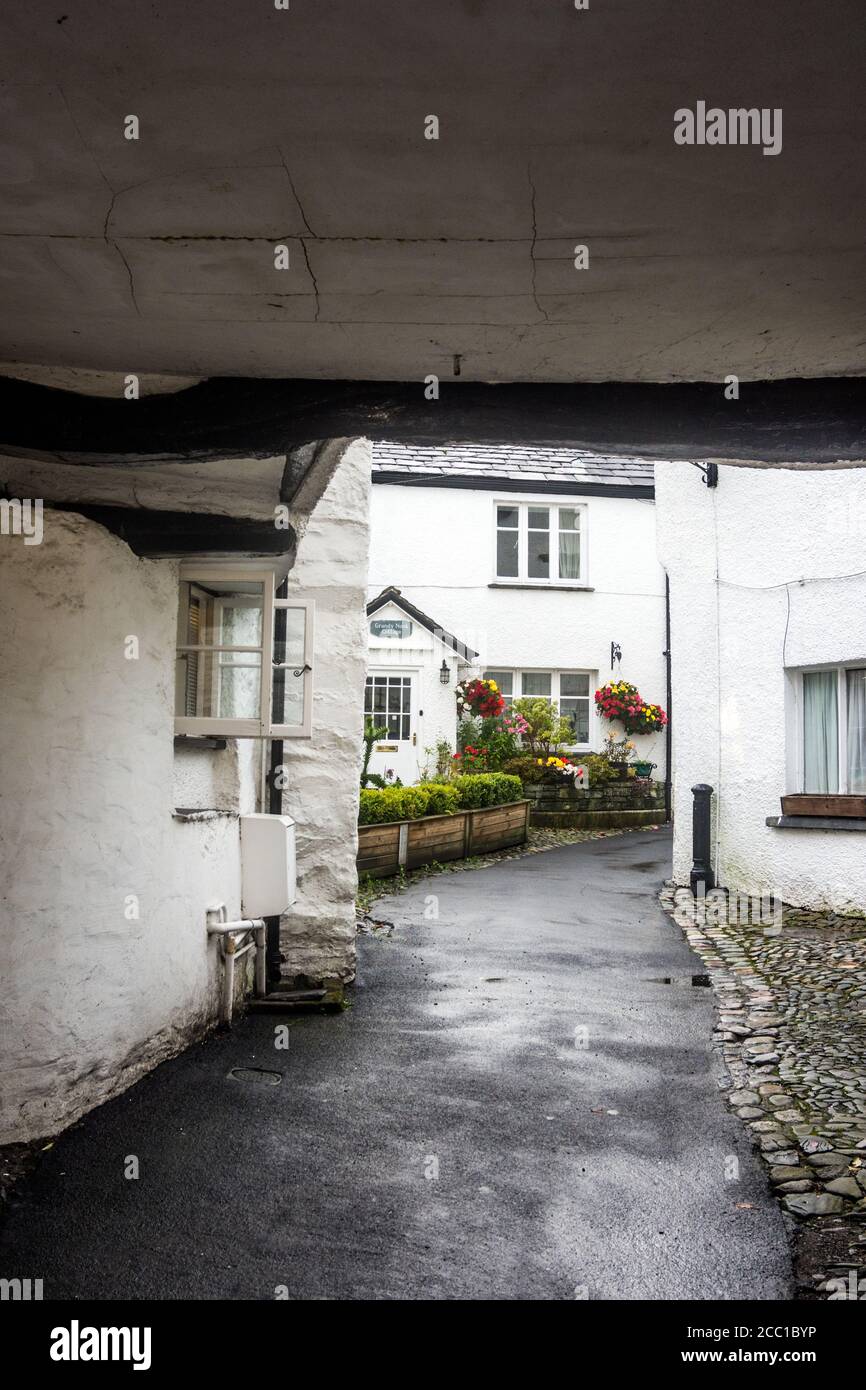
{"x": 384, "y": 849}
{"x": 823, "y": 804}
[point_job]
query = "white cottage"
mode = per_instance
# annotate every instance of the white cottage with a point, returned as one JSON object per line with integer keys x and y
{"x": 768, "y": 625}
{"x": 541, "y": 561}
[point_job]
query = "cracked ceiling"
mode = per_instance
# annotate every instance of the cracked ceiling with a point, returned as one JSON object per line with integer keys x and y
{"x": 305, "y": 127}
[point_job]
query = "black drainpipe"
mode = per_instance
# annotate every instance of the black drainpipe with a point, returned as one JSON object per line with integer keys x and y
{"x": 275, "y": 791}
{"x": 668, "y": 734}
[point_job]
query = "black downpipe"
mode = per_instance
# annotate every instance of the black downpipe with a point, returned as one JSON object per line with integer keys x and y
{"x": 668, "y": 726}
{"x": 275, "y": 790}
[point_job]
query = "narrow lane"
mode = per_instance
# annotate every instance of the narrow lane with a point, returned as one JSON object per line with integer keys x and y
{"x": 515, "y": 1107}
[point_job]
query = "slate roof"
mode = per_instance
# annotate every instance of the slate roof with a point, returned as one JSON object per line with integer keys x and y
{"x": 392, "y": 595}
{"x": 512, "y": 466}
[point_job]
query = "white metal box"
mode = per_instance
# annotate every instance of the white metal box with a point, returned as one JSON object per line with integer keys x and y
{"x": 267, "y": 865}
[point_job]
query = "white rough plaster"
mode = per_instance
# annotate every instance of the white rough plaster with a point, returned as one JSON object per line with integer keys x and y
{"x": 225, "y": 487}
{"x": 318, "y": 935}
{"x": 89, "y": 999}
{"x": 437, "y": 546}
{"x": 161, "y": 250}
{"x": 759, "y": 529}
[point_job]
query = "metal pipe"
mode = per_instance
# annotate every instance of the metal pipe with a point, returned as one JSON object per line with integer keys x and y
{"x": 230, "y": 935}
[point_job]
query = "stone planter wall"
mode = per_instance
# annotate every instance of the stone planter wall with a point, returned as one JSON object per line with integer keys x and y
{"x": 610, "y": 804}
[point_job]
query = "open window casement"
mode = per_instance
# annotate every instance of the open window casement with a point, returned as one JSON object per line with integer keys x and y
{"x": 244, "y": 656}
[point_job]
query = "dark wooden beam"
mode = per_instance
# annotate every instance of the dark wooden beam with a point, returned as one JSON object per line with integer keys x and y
{"x": 816, "y": 421}
{"x": 154, "y": 533}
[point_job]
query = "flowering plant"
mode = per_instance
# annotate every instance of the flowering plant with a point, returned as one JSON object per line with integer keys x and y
{"x": 617, "y": 750}
{"x": 471, "y": 759}
{"x": 564, "y": 766}
{"x": 478, "y": 696}
{"x": 623, "y": 701}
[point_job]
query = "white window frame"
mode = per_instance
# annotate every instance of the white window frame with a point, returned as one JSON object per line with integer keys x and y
{"x": 554, "y": 505}
{"x": 796, "y": 740}
{"x": 263, "y": 726}
{"x": 518, "y": 672}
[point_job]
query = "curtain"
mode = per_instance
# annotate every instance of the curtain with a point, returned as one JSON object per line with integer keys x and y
{"x": 857, "y": 730}
{"x": 569, "y": 554}
{"x": 820, "y": 731}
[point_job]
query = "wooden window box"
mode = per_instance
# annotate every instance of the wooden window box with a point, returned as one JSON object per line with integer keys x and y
{"x": 823, "y": 804}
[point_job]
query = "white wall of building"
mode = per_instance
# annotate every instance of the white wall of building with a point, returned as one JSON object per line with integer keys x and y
{"x": 92, "y": 996}
{"x": 322, "y": 772}
{"x": 437, "y": 545}
{"x": 779, "y": 542}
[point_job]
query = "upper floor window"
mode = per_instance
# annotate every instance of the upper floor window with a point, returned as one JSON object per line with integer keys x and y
{"x": 244, "y": 657}
{"x": 540, "y": 543}
{"x": 832, "y": 730}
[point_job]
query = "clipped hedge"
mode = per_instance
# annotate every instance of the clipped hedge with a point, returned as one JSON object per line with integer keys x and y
{"x": 437, "y": 798}
{"x": 487, "y": 789}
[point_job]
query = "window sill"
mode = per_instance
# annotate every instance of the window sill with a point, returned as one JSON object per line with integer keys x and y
{"x": 816, "y": 822}
{"x": 544, "y": 585}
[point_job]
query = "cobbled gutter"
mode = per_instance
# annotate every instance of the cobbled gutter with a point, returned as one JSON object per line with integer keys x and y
{"x": 791, "y": 1028}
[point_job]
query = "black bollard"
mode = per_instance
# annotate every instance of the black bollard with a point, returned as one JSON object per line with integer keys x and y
{"x": 702, "y": 869}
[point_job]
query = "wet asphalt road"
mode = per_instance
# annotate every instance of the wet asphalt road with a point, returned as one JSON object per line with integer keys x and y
{"x": 513, "y": 1108}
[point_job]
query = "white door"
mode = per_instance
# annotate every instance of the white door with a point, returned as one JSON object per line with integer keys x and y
{"x": 389, "y": 703}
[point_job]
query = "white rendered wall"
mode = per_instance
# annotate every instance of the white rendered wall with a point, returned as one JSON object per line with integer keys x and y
{"x": 90, "y": 998}
{"x": 762, "y": 529}
{"x": 322, "y": 772}
{"x": 437, "y": 546}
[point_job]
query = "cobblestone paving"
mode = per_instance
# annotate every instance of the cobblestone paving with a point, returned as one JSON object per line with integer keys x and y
{"x": 791, "y": 996}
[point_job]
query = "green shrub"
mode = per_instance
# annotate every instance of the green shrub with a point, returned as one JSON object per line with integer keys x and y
{"x": 598, "y": 768}
{"x": 437, "y": 799}
{"x": 443, "y": 799}
{"x": 392, "y": 803}
{"x": 487, "y": 789}
{"x": 526, "y": 768}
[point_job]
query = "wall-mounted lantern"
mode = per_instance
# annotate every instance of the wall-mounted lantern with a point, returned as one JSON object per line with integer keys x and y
{"x": 444, "y": 672}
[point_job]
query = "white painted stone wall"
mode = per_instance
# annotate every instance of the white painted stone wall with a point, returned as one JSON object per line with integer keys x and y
{"x": 437, "y": 546}
{"x": 779, "y": 541}
{"x": 90, "y": 999}
{"x": 322, "y": 772}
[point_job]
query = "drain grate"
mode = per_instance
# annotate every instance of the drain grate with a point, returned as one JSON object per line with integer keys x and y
{"x": 258, "y": 1076}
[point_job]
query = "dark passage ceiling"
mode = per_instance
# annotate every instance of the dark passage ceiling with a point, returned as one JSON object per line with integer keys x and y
{"x": 408, "y": 256}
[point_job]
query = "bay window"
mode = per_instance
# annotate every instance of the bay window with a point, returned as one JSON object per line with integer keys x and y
{"x": 243, "y": 662}
{"x": 540, "y": 543}
{"x": 832, "y": 730}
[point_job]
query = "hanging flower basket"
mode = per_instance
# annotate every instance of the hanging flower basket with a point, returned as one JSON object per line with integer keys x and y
{"x": 623, "y": 701}
{"x": 479, "y": 697}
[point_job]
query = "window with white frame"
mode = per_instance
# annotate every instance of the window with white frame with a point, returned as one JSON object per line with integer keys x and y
{"x": 244, "y": 657}
{"x": 540, "y": 542}
{"x": 831, "y": 724}
{"x": 569, "y": 691}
